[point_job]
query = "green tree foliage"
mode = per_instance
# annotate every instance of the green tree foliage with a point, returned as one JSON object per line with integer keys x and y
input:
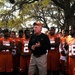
{"x": 68, "y": 6}
{"x": 37, "y": 11}
{"x": 58, "y": 12}
{"x": 7, "y": 18}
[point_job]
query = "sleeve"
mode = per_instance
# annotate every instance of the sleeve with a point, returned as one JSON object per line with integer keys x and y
{"x": 30, "y": 43}
{"x": 46, "y": 45}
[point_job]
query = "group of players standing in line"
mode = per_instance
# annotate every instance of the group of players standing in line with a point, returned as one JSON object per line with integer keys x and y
{"x": 15, "y": 55}
{"x": 61, "y": 56}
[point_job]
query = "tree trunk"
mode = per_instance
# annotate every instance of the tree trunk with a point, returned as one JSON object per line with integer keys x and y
{"x": 69, "y": 22}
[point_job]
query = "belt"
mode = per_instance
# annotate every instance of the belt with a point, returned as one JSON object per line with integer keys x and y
{"x": 37, "y": 56}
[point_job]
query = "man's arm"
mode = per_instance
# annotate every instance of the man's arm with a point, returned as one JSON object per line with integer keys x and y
{"x": 5, "y": 47}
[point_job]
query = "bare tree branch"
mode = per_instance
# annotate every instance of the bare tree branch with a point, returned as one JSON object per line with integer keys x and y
{"x": 72, "y": 9}
{"x": 59, "y": 3}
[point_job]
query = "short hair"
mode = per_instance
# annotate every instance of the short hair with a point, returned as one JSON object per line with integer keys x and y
{"x": 5, "y": 30}
{"x": 34, "y": 23}
{"x": 26, "y": 31}
{"x": 52, "y": 28}
{"x": 13, "y": 32}
{"x": 21, "y": 31}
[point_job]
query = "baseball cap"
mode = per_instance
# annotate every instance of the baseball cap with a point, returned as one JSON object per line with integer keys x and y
{"x": 37, "y": 23}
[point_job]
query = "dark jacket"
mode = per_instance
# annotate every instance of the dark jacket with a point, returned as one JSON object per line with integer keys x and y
{"x": 44, "y": 41}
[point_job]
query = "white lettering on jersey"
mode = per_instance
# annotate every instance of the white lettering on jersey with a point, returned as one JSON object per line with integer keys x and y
{"x": 52, "y": 41}
{"x": 6, "y": 43}
{"x": 72, "y": 50}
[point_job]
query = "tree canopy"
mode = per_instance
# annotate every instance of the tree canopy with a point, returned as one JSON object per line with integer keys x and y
{"x": 60, "y": 13}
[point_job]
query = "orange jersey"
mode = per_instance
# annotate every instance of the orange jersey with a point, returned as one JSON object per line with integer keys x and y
{"x": 18, "y": 39}
{"x": 71, "y": 56}
{"x": 14, "y": 50}
{"x": 6, "y": 42}
{"x": 67, "y": 39}
{"x": 53, "y": 55}
{"x": 62, "y": 39}
{"x": 72, "y": 47}
{"x": 25, "y": 49}
{"x": 53, "y": 40}
{"x": 62, "y": 42}
{"x": 6, "y": 61}
{"x": 25, "y": 57}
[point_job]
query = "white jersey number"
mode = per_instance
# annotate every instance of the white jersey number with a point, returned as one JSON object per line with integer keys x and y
{"x": 72, "y": 50}
{"x": 26, "y": 48}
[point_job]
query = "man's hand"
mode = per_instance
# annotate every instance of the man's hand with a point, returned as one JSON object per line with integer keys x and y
{"x": 36, "y": 45}
{"x": 33, "y": 47}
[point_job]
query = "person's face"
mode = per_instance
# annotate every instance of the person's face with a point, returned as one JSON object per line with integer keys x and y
{"x": 27, "y": 34}
{"x": 52, "y": 31}
{"x": 20, "y": 34}
{"x": 6, "y": 34}
{"x": 12, "y": 35}
{"x": 37, "y": 29}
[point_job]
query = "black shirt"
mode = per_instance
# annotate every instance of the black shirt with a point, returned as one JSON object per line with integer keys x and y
{"x": 44, "y": 41}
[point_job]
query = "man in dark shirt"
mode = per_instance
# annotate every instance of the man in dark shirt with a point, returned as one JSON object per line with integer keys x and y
{"x": 39, "y": 43}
